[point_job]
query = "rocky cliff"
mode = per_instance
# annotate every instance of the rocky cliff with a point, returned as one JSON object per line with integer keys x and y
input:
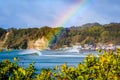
{"x": 37, "y": 38}
{"x": 2, "y": 42}
{"x": 41, "y": 43}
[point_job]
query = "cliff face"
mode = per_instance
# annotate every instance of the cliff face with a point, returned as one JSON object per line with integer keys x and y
{"x": 41, "y": 43}
{"x": 37, "y": 38}
{"x": 2, "y": 42}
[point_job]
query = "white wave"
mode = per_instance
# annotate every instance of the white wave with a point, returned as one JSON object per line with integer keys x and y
{"x": 68, "y": 55}
{"x": 30, "y": 51}
{"x": 73, "y": 50}
{"x": 64, "y": 55}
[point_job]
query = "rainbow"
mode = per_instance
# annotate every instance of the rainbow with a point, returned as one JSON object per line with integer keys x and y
{"x": 64, "y": 19}
{"x": 78, "y": 7}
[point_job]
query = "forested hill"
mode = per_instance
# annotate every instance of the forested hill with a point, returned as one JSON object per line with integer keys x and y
{"x": 44, "y": 37}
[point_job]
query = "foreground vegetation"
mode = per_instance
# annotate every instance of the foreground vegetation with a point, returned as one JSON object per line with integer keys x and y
{"x": 104, "y": 67}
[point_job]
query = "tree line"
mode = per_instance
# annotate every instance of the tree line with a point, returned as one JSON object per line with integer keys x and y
{"x": 60, "y": 36}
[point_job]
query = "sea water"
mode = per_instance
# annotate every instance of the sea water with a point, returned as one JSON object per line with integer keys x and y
{"x": 45, "y": 59}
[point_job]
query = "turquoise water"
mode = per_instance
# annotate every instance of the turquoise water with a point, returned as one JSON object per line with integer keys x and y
{"x": 45, "y": 59}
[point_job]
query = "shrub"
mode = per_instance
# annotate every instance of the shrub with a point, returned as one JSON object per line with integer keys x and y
{"x": 104, "y": 67}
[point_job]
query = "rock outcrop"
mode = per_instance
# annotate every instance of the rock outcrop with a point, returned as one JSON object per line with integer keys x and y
{"x": 2, "y": 42}
{"x": 39, "y": 44}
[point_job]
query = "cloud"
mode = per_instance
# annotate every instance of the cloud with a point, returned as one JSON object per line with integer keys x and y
{"x": 29, "y": 13}
{"x": 72, "y": 1}
{"x": 46, "y": 12}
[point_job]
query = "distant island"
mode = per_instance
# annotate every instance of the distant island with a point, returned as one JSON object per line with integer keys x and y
{"x": 59, "y": 37}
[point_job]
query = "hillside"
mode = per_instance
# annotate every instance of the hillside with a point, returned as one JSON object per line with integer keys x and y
{"x": 44, "y": 37}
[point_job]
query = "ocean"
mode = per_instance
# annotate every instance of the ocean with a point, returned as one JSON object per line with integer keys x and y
{"x": 45, "y": 59}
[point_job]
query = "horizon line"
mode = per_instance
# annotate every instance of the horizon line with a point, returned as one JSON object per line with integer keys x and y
{"x": 16, "y": 27}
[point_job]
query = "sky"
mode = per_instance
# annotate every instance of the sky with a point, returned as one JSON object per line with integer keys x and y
{"x": 38, "y": 13}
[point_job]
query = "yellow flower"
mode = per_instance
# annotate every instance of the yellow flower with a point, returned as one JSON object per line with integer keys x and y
{"x": 21, "y": 70}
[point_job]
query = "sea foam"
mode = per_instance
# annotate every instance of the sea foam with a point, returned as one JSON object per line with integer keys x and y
{"x": 30, "y": 51}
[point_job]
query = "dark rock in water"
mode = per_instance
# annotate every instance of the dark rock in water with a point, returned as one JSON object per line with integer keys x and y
{"x": 34, "y": 54}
